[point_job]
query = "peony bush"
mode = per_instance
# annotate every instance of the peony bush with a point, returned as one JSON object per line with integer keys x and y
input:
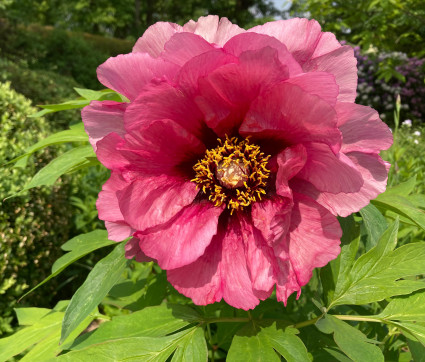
{"x": 239, "y": 165}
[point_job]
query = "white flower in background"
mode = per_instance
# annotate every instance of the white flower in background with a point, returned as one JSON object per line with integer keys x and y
{"x": 407, "y": 122}
{"x": 416, "y": 142}
{"x": 417, "y": 133}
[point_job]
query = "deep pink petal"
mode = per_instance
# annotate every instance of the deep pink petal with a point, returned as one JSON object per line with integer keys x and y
{"x": 343, "y": 65}
{"x": 152, "y": 201}
{"x": 213, "y": 29}
{"x": 260, "y": 259}
{"x": 128, "y": 74}
{"x": 226, "y": 93}
{"x": 221, "y": 272}
{"x": 251, "y": 41}
{"x": 374, "y": 172}
{"x": 289, "y": 113}
{"x": 107, "y": 152}
{"x": 132, "y": 250}
{"x": 290, "y": 161}
{"x": 361, "y": 128}
{"x": 109, "y": 211}
{"x": 302, "y": 37}
{"x": 318, "y": 83}
{"x": 164, "y": 101}
{"x": 313, "y": 239}
{"x": 102, "y": 118}
{"x": 329, "y": 172}
{"x": 182, "y": 239}
{"x": 184, "y": 46}
{"x": 155, "y": 37}
{"x": 272, "y": 217}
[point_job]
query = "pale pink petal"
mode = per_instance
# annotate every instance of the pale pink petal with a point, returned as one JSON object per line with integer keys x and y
{"x": 132, "y": 250}
{"x": 164, "y": 101}
{"x": 290, "y": 161}
{"x": 272, "y": 216}
{"x": 109, "y": 211}
{"x": 152, "y": 201}
{"x": 313, "y": 239}
{"x": 155, "y": 37}
{"x": 289, "y": 113}
{"x": 102, "y": 118}
{"x": 226, "y": 93}
{"x": 107, "y": 152}
{"x": 182, "y": 239}
{"x": 374, "y": 172}
{"x": 251, "y": 41}
{"x": 213, "y": 29}
{"x": 361, "y": 128}
{"x": 128, "y": 74}
{"x": 184, "y": 46}
{"x": 222, "y": 272}
{"x": 329, "y": 172}
{"x": 343, "y": 65}
{"x": 318, "y": 83}
{"x": 326, "y": 44}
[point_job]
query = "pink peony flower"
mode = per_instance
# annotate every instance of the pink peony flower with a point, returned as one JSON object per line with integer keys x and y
{"x": 234, "y": 154}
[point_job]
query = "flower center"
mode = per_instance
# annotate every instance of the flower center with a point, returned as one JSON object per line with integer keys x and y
{"x": 233, "y": 173}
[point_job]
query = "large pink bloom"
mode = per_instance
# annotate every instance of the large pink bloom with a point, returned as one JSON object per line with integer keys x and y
{"x": 234, "y": 154}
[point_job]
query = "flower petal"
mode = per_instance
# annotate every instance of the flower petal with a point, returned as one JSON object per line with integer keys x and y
{"x": 343, "y": 65}
{"x": 155, "y": 37}
{"x": 313, "y": 239}
{"x": 213, "y": 29}
{"x": 102, "y": 118}
{"x": 132, "y": 250}
{"x": 329, "y": 172}
{"x": 221, "y": 272}
{"x": 128, "y": 74}
{"x": 361, "y": 128}
{"x": 182, "y": 239}
{"x": 152, "y": 201}
{"x": 289, "y": 113}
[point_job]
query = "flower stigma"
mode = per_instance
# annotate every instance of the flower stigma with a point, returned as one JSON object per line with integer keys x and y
{"x": 234, "y": 173}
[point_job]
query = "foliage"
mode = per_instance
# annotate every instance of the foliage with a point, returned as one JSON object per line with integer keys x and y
{"x": 388, "y": 25}
{"x": 33, "y": 225}
{"x": 366, "y": 305}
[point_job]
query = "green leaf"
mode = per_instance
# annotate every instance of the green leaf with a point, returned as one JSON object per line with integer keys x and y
{"x": 98, "y": 283}
{"x": 30, "y": 316}
{"x": 412, "y": 329}
{"x": 136, "y": 348}
{"x": 407, "y": 308}
{"x": 75, "y": 134}
{"x": 374, "y": 222}
{"x": 377, "y": 274}
{"x": 402, "y": 189}
{"x": 102, "y": 95}
{"x": 255, "y": 343}
{"x": 155, "y": 321}
{"x": 60, "y": 165}
{"x": 78, "y": 247}
{"x": 350, "y": 340}
{"x": 193, "y": 348}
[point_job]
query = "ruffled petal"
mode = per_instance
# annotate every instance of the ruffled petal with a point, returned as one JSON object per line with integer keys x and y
{"x": 213, "y": 29}
{"x": 226, "y": 93}
{"x": 128, "y": 74}
{"x": 313, "y": 239}
{"x": 102, "y": 118}
{"x": 155, "y": 37}
{"x": 109, "y": 210}
{"x": 374, "y": 172}
{"x": 329, "y": 172}
{"x": 362, "y": 130}
{"x": 343, "y": 65}
{"x": 163, "y": 101}
{"x": 272, "y": 217}
{"x": 184, "y": 46}
{"x": 289, "y": 113}
{"x": 152, "y": 201}
{"x": 251, "y": 41}
{"x": 303, "y": 37}
{"x": 221, "y": 272}
{"x": 182, "y": 239}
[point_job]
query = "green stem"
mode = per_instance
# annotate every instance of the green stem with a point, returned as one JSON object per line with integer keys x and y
{"x": 358, "y": 318}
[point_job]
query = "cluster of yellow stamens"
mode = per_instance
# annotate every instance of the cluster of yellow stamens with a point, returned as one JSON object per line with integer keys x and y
{"x": 234, "y": 173}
